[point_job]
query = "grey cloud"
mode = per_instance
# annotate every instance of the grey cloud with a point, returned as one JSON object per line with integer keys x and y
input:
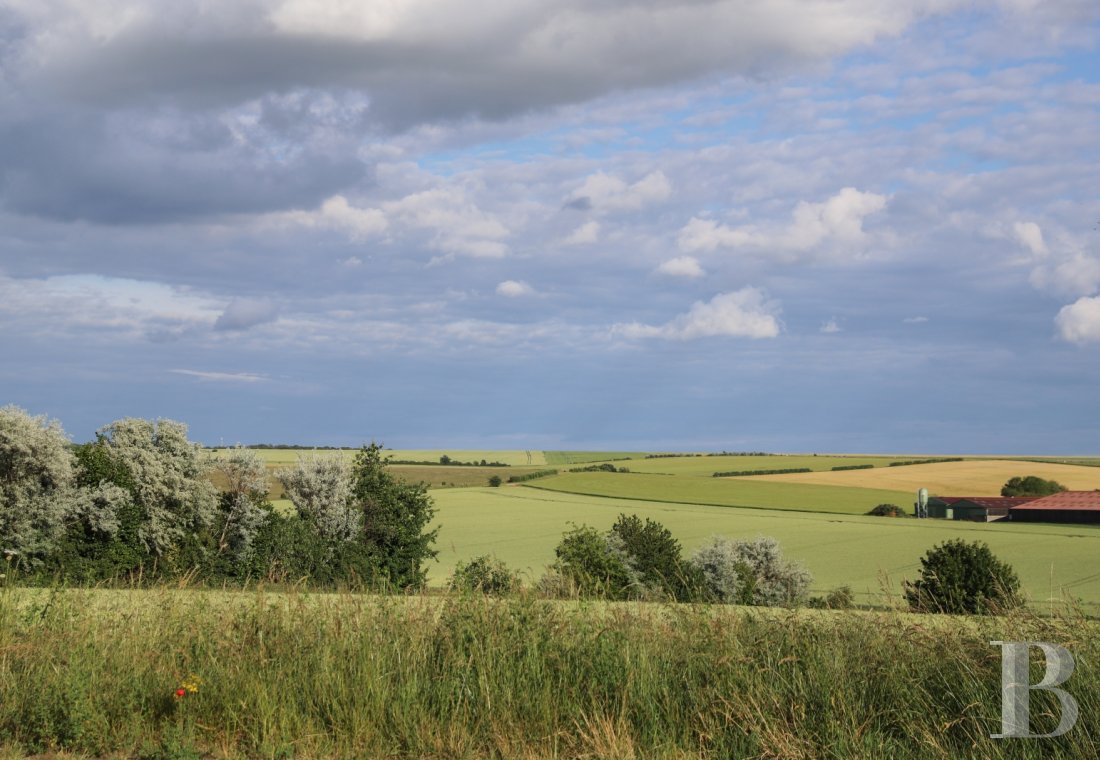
{"x": 242, "y": 314}
{"x": 460, "y": 60}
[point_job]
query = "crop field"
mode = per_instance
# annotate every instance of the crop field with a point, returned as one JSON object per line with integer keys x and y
{"x": 522, "y": 525}
{"x": 724, "y": 492}
{"x": 976, "y": 477}
{"x": 558, "y": 458}
{"x": 708, "y": 465}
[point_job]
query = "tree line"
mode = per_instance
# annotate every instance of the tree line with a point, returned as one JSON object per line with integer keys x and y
{"x": 138, "y": 503}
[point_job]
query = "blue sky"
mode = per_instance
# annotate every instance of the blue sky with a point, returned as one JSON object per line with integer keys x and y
{"x": 813, "y": 225}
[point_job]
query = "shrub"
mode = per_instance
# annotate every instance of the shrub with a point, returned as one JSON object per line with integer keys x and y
{"x": 1031, "y": 486}
{"x": 853, "y": 467}
{"x": 887, "y": 510}
{"x": 655, "y": 556}
{"x": 960, "y": 577}
{"x": 587, "y": 562}
{"x": 531, "y": 476}
{"x": 495, "y": 481}
{"x": 486, "y": 575}
{"x": 840, "y": 598}
{"x": 320, "y": 489}
{"x": 751, "y": 572}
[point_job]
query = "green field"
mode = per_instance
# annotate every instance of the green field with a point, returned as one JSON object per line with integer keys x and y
{"x": 522, "y": 525}
{"x": 585, "y": 457}
{"x": 515, "y": 457}
{"x": 724, "y": 492}
{"x": 708, "y": 465}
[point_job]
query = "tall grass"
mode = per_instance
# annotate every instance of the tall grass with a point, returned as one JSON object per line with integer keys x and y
{"x": 329, "y": 675}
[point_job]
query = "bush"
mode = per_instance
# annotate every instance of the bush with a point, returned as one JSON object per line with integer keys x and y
{"x": 1031, "y": 486}
{"x": 854, "y": 467}
{"x": 531, "y": 476}
{"x": 653, "y": 553}
{"x": 592, "y": 566}
{"x": 840, "y": 598}
{"x": 750, "y": 572}
{"x": 486, "y": 575}
{"x": 963, "y": 578}
{"x": 887, "y": 510}
{"x": 495, "y": 481}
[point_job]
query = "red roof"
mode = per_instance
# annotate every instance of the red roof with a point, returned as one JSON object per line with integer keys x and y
{"x": 991, "y": 502}
{"x": 1087, "y": 500}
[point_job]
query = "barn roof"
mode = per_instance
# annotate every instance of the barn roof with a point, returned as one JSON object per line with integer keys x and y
{"x": 1082, "y": 500}
{"x": 991, "y": 502}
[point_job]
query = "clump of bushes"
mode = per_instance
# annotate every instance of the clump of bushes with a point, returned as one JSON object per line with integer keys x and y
{"x": 935, "y": 460}
{"x": 853, "y": 467}
{"x": 486, "y": 575}
{"x": 887, "y": 510}
{"x": 495, "y": 481}
{"x": 605, "y": 467}
{"x": 840, "y": 598}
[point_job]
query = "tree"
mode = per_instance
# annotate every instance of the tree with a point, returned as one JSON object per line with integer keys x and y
{"x": 165, "y": 474}
{"x": 655, "y": 555}
{"x": 396, "y": 515}
{"x": 244, "y": 505}
{"x": 960, "y": 577}
{"x": 1031, "y": 485}
{"x": 495, "y": 481}
{"x": 36, "y": 485}
{"x": 320, "y": 489}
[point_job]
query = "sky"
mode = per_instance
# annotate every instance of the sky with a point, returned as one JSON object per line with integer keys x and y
{"x": 779, "y": 225}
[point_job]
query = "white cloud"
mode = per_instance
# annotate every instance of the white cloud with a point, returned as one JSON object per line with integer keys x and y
{"x": 743, "y": 313}
{"x": 831, "y": 327}
{"x": 682, "y": 266}
{"x": 1029, "y": 235}
{"x": 589, "y": 232}
{"x": 915, "y": 320}
{"x": 1073, "y": 273}
{"x": 221, "y": 377}
{"x": 514, "y": 289}
{"x": 839, "y": 219}
{"x": 351, "y": 262}
{"x": 455, "y": 222}
{"x": 337, "y": 213}
{"x": 604, "y": 193}
{"x": 1079, "y": 322}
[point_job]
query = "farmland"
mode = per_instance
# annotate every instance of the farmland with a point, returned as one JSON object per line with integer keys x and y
{"x": 708, "y": 465}
{"x": 522, "y": 525}
{"x": 725, "y": 492}
{"x": 974, "y": 477}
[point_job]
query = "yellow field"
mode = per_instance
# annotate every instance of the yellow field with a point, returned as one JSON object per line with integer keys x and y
{"x": 968, "y": 478}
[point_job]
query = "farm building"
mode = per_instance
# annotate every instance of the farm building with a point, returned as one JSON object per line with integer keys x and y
{"x": 1065, "y": 507}
{"x": 975, "y": 508}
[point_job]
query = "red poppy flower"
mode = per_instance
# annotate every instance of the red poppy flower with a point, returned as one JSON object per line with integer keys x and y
{"x": 181, "y": 692}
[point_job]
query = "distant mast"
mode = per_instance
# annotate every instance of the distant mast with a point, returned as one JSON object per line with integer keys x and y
{"x": 922, "y": 502}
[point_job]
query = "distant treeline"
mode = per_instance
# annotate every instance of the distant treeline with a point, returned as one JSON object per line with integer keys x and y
{"x": 716, "y": 454}
{"x": 297, "y": 447}
{"x": 926, "y": 461}
{"x": 743, "y": 473}
{"x": 854, "y": 467}
{"x": 446, "y": 461}
{"x": 531, "y": 476}
{"x": 600, "y": 468}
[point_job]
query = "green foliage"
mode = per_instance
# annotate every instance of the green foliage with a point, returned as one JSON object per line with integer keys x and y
{"x": 531, "y": 476}
{"x": 605, "y": 467}
{"x": 655, "y": 556}
{"x": 1031, "y": 485}
{"x": 592, "y": 566}
{"x": 395, "y": 519}
{"x": 853, "y": 467}
{"x": 960, "y": 577}
{"x": 840, "y": 598}
{"x": 495, "y": 481}
{"x": 747, "y": 473}
{"x": 486, "y": 575}
{"x": 935, "y": 460}
{"x": 320, "y": 489}
{"x": 887, "y": 510}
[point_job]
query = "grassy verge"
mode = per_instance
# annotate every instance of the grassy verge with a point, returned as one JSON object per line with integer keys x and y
{"x": 311, "y": 676}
